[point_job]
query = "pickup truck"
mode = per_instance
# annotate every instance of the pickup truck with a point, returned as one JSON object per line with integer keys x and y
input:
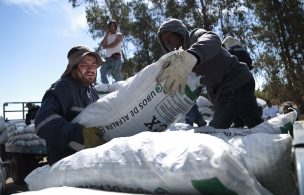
{"x": 19, "y": 157}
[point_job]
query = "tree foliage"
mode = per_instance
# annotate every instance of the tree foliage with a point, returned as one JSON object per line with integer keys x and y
{"x": 272, "y": 30}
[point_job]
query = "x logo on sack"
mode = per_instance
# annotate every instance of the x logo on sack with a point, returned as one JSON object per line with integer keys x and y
{"x": 154, "y": 121}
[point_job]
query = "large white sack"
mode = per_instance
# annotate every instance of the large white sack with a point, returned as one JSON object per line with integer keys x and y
{"x": 69, "y": 191}
{"x": 279, "y": 124}
{"x": 108, "y": 87}
{"x": 268, "y": 156}
{"x": 173, "y": 162}
{"x": 139, "y": 105}
{"x": 3, "y": 126}
{"x": 205, "y": 111}
{"x": 203, "y": 102}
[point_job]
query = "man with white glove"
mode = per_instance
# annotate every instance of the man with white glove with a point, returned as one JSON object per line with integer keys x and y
{"x": 176, "y": 69}
{"x": 229, "y": 83}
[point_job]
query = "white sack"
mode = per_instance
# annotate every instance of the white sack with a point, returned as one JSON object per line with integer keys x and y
{"x": 69, "y": 191}
{"x": 19, "y": 134}
{"x": 203, "y": 102}
{"x": 267, "y": 155}
{"x": 139, "y": 105}
{"x": 279, "y": 124}
{"x": 3, "y": 137}
{"x": 3, "y": 126}
{"x": 174, "y": 162}
{"x": 108, "y": 87}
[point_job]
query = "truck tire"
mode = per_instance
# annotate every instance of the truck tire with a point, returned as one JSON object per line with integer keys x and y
{"x": 21, "y": 166}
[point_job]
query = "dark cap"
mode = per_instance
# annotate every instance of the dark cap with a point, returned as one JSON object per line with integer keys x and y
{"x": 112, "y": 22}
{"x": 77, "y": 53}
{"x": 29, "y": 105}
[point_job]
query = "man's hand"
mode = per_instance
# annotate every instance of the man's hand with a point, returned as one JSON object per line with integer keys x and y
{"x": 91, "y": 138}
{"x": 175, "y": 69}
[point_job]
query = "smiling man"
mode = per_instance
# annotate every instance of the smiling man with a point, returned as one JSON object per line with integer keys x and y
{"x": 65, "y": 99}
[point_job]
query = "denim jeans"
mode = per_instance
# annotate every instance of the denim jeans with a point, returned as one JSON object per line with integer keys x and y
{"x": 112, "y": 66}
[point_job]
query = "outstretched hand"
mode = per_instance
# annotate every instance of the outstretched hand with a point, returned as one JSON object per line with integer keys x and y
{"x": 175, "y": 69}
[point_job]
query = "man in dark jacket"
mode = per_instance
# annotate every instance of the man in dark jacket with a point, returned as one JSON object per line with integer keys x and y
{"x": 64, "y": 100}
{"x": 235, "y": 48}
{"x": 230, "y": 84}
{"x": 31, "y": 113}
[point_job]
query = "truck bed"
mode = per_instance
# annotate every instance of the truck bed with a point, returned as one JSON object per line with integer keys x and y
{"x": 12, "y": 148}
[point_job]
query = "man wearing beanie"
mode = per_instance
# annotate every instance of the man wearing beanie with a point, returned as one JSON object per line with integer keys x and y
{"x": 229, "y": 83}
{"x": 64, "y": 100}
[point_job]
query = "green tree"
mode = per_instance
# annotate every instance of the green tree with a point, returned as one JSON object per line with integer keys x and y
{"x": 272, "y": 30}
{"x": 279, "y": 32}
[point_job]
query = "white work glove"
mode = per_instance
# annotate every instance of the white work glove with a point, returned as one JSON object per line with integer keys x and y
{"x": 175, "y": 69}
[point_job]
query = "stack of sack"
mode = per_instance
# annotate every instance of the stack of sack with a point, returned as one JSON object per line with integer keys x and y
{"x": 143, "y": 155}
{"x": 182, "y": 161}
{"x": 3, "y": 131}
{"x": 170, "y": 162}
{"x": 105, "y": 88}
{"x": 20, "y": 134}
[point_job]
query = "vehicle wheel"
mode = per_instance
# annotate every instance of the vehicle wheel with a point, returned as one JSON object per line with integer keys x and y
{"x": 21, "y": 166}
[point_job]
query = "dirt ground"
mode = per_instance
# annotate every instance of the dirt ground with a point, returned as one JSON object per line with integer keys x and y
{"x": 11, "y": 188}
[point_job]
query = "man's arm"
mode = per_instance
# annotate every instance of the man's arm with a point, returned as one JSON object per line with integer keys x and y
{"x": 104, "y": 40}
{"x": 115, "y": 42}
{"x": 51, "y": 126}
{"x": 205, "y": 44}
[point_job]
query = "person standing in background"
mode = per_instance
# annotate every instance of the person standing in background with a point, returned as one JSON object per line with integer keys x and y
{"x": 32, "y": 111}
{"x": 234, "y": 47}
{"x": 270, "y": 111}
{"x": 112, "y": 42}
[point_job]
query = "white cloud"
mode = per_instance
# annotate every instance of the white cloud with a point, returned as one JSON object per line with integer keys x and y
{"x": 28, "y": 2}
{"x": 29, "y": 6}
{"x": 74, "y": 18}
{"x": 77, "y": 17}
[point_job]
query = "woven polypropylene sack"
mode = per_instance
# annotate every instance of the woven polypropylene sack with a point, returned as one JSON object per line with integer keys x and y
{"x": 173, "y": 162}
{"x": 139, "y": 105}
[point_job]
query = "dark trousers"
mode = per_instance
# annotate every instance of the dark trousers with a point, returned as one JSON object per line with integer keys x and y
{"x": 194, "y": 116}
{"x": 239, "y": 105}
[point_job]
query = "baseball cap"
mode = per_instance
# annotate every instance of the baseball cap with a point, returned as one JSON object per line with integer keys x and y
{"x": 111, "y": 22}
{"x": 77, "y": 53}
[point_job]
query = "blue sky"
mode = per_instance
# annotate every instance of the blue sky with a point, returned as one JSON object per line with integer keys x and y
{"x": 34, "y": 40}
{"x": 35, "y": 37}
